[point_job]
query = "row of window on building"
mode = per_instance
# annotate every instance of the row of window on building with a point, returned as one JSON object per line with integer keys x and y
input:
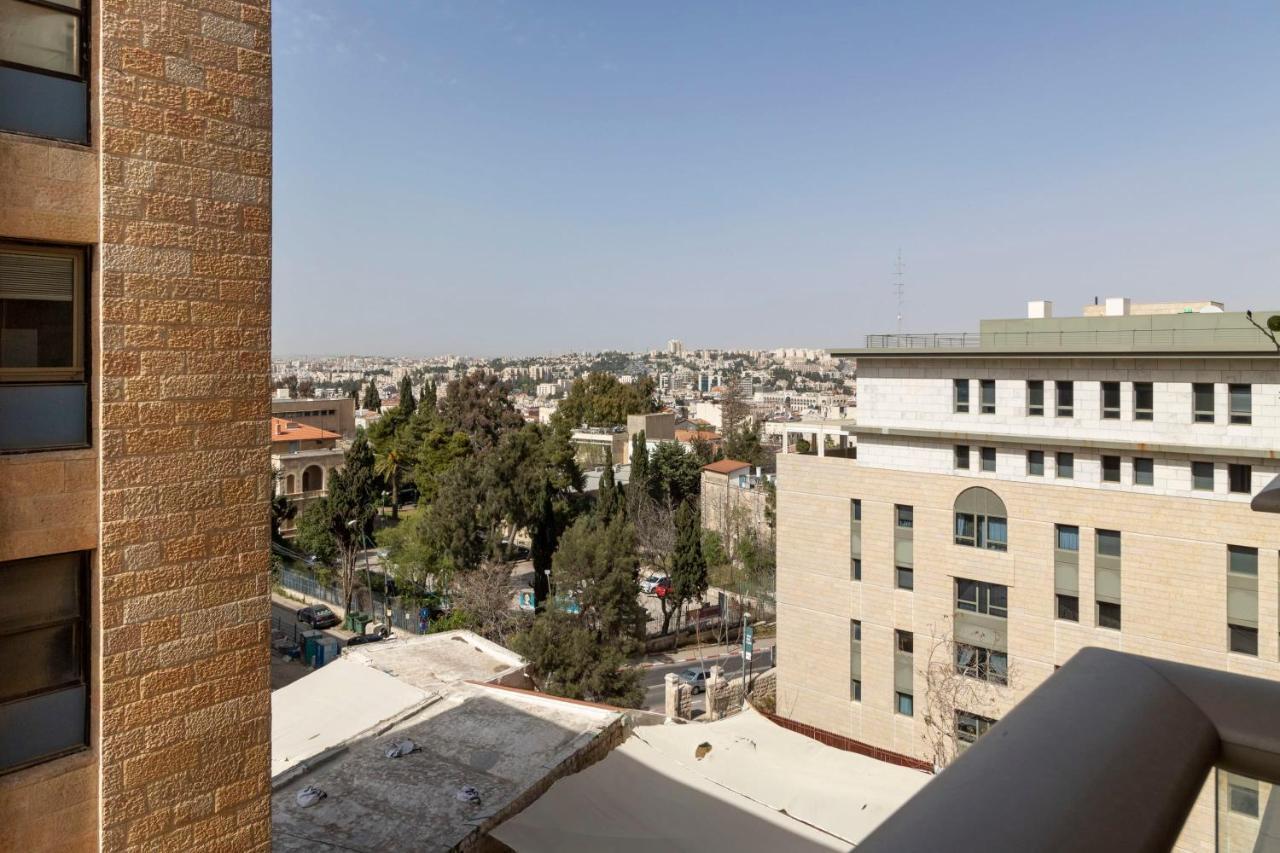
{"x": 980, "y": 521}
{"x": 1239, "y": 400}
{"x": 1239, "y": 475}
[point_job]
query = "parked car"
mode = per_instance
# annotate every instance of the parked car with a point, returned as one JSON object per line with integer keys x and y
{"x": 696, "y": 678}
{"x": 647, "y": 585}
{"x": 362, "y": 639}
{"x": 318, "y": 616}
{"x": 662, "y": 588}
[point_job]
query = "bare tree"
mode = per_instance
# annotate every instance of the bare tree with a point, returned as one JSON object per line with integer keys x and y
{"x": 484, "y": 594}
{"x": 953, "y": 682}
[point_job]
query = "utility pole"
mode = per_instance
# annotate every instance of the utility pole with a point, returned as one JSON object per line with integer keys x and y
{"x": 898, "y": 285}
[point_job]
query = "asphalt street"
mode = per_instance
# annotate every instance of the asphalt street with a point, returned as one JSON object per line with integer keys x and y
{"x": 654, "y": 678}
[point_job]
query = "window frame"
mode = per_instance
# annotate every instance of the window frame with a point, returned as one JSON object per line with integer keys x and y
{"x": 1057, "y": 465}
{"x": 910, "y": 698}
{"x": 1195, "y": 477}
{"x": 981, "y": 725}
{"x": 77, "y": 372}
{"x": 960, "y": 457}
{"x": 985, "y": 385}
{"x": 1106, "y": 389}
{"x": 1110, "y": 466}
{"x": 1035, "y": 409}
{"x": 83, "y": 621}
{"x": 1199, "y": 415}
{"x": 1030, "y": 471}
{"x": 1244, "y": 417}
{"x": 1234, "y": 468}
{"x": 1141, "y": 412}
{"x": 1100, "y": 605}
{"x": 1067, "y": 409}
{"x": 981, "y": 602}
{"x": 907, "y": 572}
{"x": 982, "y": 666}
{"x": 987, "y": 455}
{"x": 1150, "y": 464}
{"x": 1073, "y": 614}
{"x": 958, "y": 406}
{"x": 82, "y": 45}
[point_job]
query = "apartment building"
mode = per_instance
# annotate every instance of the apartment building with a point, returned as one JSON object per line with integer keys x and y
{"x": 1020, "y": 493}
{"x": 303, "y": 458}
{"x": 334, "y": 414}
{"x": 135, "y": 250}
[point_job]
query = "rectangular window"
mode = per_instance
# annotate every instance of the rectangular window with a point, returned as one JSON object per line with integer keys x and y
{"x": 1066, "y": 392}
{"x": 1111, "y": 401}
{"x": 44, "y": 69}
{"x": 988, "y": 455}
{"x": 1109, "y": 615}
{"x": 1066, "y": 571}
{"x": 42, "y": 347}
{"x": 983, "y": 664}
{"x": 1240, "y": 478}
{"x": 970, "y": 727}
{"x": 44, "y": 694}
{"x": 1106, "y": 577}
{"x": 988, "y": 390}
{"x": 1066, "y": 537}
{"x": 1202, "y": 476}
{"x": 904, "y": 516}
{"x": 855, "y": 660}
{"x": 1242, "y": 795}
{"x": 1066, "y": 466}
{"x": 1109, "y": 543}
{"x": 905, "y": 704}
{"x": 1110, "y": 469}
{"x": 991, "y": 599}
{"x": 960, "y": 395}
{"x": 904, "y": 578}
{"x": 1144, "y": 471}
{"x": 855, "y": 539}
{"x": 1241, "y": 403}
{"x": 1202, "y": 402}
{"x": 1035, "y": 397}
{"x": 1068, "y": 607}
{"x": 1035, "y": 463}
{"x": 962, "y": 457}
{"x": 1143, "y": 401}
{"x": 1242, "y": 599}
{"x": 904, "y": 641}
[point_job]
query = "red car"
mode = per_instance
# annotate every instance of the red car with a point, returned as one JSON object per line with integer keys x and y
{"x": 663, "y": 587}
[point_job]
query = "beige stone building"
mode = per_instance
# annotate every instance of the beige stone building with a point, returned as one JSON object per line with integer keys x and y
{"x": 337, "y": 414}
{"x": 303, "y": 458}
{"x": 135, "y": 254}
{"x": 1043, "y": 485}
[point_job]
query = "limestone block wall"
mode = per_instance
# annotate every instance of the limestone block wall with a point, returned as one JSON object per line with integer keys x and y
{"x": 183, "y": 352}
{"x": 1173, "y": 590}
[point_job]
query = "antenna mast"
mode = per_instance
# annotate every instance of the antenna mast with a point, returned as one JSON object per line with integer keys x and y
{"x": 898, "y": 285}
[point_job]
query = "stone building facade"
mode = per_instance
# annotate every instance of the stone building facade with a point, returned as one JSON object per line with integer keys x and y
{"x": 966, "y": 535}
{"x": 144, "y": 154}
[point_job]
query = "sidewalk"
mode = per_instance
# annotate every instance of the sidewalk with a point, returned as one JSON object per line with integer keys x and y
{"x": 690, "y": 653}
{"x": 293, "y": 604}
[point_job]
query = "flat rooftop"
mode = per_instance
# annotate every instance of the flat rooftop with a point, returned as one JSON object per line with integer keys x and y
{"x": 332, "y": 729}
{"x": 1204, "y": 334}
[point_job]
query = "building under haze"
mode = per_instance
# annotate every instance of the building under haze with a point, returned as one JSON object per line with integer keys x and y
{"x": 135, "y": 253}
{"x": 1019, "y": 493}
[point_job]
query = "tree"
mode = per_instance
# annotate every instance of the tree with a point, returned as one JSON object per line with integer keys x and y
{"x": 702, "y": 450}
{"x": 950, "y": 687}
{"x": 407, "y": 403}
{"x": 349, "y": 510}
{"x": 743, "y": 444}
{"x": 313, "y": 535}
{"x": 688, "y": 565}
{"x": 734, "y": 409}
{"x": 306, "y": 388}
{"x": 607, "y": 503}
{"x": 282, "y": 509}
{"x": 388, "y": 465}
{"x": 639, "y": 481}
{"x": 673, "y": 475}
{"x": 482, "y": 601}
{"x": 599, "y": 399}
{"x": 585, "y": 655}
{"x": 478, "y": 404}
{"x": 372, "y": 399}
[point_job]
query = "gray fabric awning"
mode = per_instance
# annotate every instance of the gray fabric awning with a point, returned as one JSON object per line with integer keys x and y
{"x": 1267, "y": 500}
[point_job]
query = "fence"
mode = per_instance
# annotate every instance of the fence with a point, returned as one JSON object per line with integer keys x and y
{"x": 400, "y": 617}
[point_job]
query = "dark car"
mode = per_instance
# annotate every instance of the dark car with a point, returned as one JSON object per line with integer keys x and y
{"x": 318, "y": 616}
{"x": 362, "y": 639}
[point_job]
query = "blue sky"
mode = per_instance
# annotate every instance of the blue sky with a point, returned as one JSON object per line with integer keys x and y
{"x": 490, "y": 178}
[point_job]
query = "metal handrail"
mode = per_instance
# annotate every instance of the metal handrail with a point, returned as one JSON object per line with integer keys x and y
{"x": 1109, "y": 753}
{"x": 1242, "y": 338}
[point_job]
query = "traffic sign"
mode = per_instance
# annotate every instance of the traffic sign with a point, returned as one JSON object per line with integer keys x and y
{"x": 748, "y": 637}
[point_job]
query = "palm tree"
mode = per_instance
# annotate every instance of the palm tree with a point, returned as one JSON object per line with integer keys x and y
{"x": 388, "y": 465}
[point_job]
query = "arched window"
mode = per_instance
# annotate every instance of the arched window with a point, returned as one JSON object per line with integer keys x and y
{"x": 289, "y": 483}
{"x": 981, "y": 520}
{"x": 313, "y": 479}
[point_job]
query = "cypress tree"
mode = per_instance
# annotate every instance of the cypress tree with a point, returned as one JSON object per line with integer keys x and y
{"x": 407, "y": 403}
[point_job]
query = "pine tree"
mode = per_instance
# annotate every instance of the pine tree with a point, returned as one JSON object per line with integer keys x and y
{"x": 407, "y": 403}
{"x": 639, "y": 481}
{"x": 606, "y": 495}
{"x": 688, "y": 565}
{"x": 372, "y": 399}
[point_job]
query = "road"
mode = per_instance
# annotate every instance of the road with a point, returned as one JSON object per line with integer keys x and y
{"x": 654, "y": 678}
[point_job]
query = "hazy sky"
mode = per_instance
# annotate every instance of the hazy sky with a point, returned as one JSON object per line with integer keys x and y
{"x": 517, "y": 178}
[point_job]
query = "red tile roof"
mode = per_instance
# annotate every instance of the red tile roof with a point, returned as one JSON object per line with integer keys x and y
{"x": 725, "y": 466}
{"x": 283, "y": 430}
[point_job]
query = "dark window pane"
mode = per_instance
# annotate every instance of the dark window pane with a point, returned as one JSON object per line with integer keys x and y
{"x": 39, "y": 591}
{"x": 1035, "y": 463}
{"x": 988, "y": 459}
{"x": 905, "y": 516}
{"x": 1240, "y": 478}
{"x": 988, "y": 396}
{"x": 1108, "y": 615}
{"x": 1241, "y": 397}
{"x": 906, "y": 704}
{"x": 961, "y": 394}
{"x": 37, "y": 319}
{"x": 39, "y": 38}
{"x": 962, "y": 456}
{"x": 1242, "y": 560}
{"x": 1244, "y": 640}
{"x": 1109, "y": 543}
{"x": 1202, "y": 402}
{"x": 1110, "y": 400}
{"x": 1066, "y": 399}
{"x": 1202, "y": 476}
{"x": 1143, "y": 401}
{"x": 1144, "y": 473}
{"x": 1035, "y": 397}
{"x": 906, "y": 641}
{"x": 40, "y": 659}
{"x": 1067, "y": 537}
{"x": 1243, "y": 800}
{"x": 857, "y": 569}
{"x": 905, "y": 578}
{"x": 1111, "y": 469}
{"x": 1066, "y": 466}
{"x": 1068, "y": 608}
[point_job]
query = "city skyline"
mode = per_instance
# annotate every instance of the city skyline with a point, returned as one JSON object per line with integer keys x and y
{"x": 563, "y": 179}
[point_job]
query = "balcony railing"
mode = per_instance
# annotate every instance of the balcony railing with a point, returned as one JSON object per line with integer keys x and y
{"x": 933, "y": 340}
{"x": 1204, "y": 338}
{"x": 1109, "y": 753}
